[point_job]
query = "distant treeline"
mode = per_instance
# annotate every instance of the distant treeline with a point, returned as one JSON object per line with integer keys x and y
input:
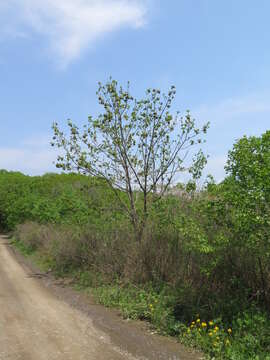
{"x": 51, "y": 198}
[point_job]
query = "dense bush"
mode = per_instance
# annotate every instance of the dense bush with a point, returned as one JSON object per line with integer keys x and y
{"x": 55, "y": 199}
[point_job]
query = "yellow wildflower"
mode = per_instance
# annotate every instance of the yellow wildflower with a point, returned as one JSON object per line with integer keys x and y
{"x": 198, "y": 320}
{"x": 210, "y": 334}
{"x": 204, "y": 324}
{"x": 193, "y": 323}
{"x": 216, "y": 328}
{"x": 211, "y": 323}
{"x": 229, "y": 330}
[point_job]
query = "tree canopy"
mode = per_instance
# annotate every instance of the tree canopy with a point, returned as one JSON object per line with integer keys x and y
{"x": 137, "y": 145}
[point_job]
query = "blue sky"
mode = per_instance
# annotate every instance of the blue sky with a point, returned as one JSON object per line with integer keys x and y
{"x": 53, "y": 53}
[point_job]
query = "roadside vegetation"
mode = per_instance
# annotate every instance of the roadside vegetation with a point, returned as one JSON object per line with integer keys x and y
{"x": 195, "y": 263}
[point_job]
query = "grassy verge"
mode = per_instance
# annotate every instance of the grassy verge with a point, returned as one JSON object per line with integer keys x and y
{"x": 37, "y": 258}
{"x": 246, "y": 337}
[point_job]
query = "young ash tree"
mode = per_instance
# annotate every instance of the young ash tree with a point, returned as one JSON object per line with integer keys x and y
{"x": 136, "y": 146}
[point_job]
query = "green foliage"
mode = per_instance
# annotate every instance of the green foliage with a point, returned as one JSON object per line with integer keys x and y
{"x": 247, "y": 190}
{"x": 56, "y": 199}
{"x": 201, "y": 252}
{"x": 22, "y": 247}
{"x": 141, "y": 304}
{"x": 246, "y": 337}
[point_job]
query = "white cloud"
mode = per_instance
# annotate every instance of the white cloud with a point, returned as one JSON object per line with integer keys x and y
{"x": 33, "y": 156}
{"x": 215, "y": 167}
{"x": 70, "y": 26}
{"x": 27, "y": 161}
{"x": 37, "y": 141}
{"x": 230, "y": 119}
{"x": 233, "y": 108}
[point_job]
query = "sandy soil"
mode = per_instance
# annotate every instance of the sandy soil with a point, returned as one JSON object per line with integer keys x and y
{"x": 40, "y": 320}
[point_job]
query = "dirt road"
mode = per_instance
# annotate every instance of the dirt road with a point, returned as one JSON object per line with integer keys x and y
{"x": 36, "y": 325}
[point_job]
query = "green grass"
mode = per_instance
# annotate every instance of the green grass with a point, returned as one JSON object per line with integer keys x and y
{"x": 23, "y": 249}
{"x": 42, "y": 262}
{"x": 246, "y": 338}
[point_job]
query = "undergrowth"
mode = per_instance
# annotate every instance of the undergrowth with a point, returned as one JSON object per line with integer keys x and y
{"x": 245, "y": 337}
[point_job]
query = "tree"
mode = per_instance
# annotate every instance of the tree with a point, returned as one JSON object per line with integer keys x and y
{"x": 249, "y": 184}
{"x": 247, "y": 193}
{"x": 249, "y": 166}
{"x": 137, "y": 146}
